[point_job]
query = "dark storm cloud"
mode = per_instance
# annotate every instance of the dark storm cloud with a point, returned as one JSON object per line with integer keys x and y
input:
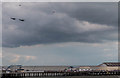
{"x": 101, "y": 13}
{"x": 71, "y": 22}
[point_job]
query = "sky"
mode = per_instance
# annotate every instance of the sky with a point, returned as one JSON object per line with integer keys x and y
{"x": 0, "y": 34}
{"x": 59, "y": 33}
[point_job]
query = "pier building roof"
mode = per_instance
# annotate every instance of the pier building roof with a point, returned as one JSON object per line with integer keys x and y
{"x": 110, "y": 64}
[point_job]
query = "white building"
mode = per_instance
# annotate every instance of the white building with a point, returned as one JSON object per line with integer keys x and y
{"x": 107, "y": 66}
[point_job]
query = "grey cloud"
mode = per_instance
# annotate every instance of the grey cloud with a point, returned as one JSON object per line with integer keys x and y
{"x": 72, "y": 22}
{"x": 101, "y": 13}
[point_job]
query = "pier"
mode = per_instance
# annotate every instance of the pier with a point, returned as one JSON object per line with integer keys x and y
{"x": 18, "y": 71}
{"x": 57, "y": 74}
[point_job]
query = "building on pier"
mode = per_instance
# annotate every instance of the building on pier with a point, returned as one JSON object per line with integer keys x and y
{"x": 107, "y": 66}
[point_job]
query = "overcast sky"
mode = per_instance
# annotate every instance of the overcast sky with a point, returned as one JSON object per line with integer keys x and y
{"x": 0, "y": 34}
{"x": 59, "y": 33}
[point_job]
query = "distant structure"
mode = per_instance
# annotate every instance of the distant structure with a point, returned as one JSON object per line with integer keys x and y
{"x": 107, "y": 66}
{"x": 18, "y": 71}
{"x": 110, "y": 64}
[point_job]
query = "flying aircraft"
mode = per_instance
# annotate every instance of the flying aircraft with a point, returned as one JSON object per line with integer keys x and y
{"x": 53, "y": 11}
{"x": 13, "y": 18}
{"x": 19, "y": 4}
{"x": 18, "y": 19}
{"x": 21, "y": 20}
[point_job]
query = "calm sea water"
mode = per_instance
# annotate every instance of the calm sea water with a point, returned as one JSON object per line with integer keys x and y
{"x": 80, "y": 77}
